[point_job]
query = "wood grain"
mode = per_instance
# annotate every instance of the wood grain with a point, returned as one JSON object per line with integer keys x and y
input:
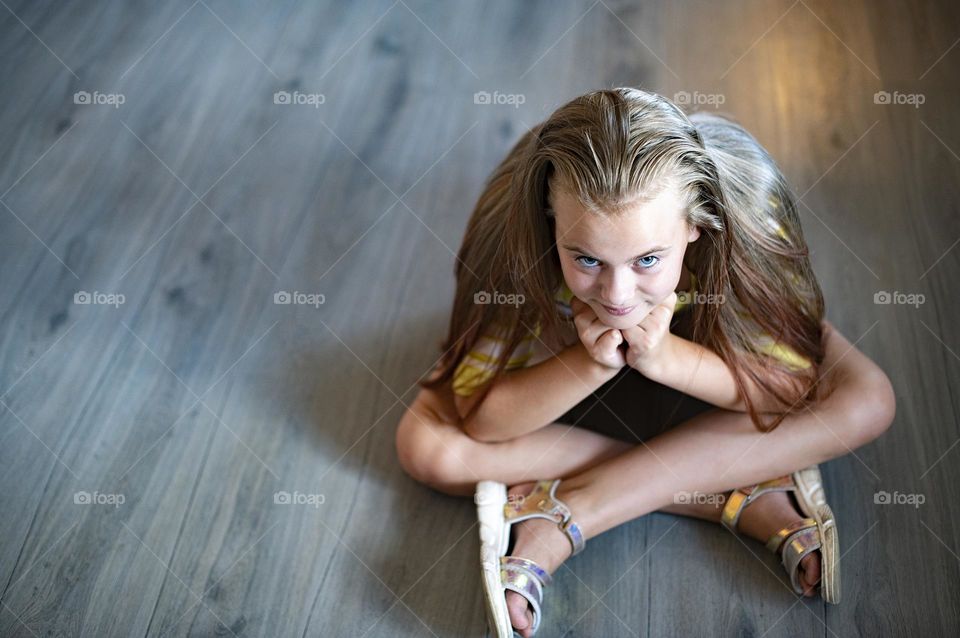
{"x": 199, "y": 402}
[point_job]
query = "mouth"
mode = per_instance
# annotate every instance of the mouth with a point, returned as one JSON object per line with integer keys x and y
{"x": 618, "y": 311}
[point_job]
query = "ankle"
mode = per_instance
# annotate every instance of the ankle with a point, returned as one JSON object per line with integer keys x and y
{"x": 543, "y": 542}
{"x": 767, "y": 515}
{"x": 580, "y": 504}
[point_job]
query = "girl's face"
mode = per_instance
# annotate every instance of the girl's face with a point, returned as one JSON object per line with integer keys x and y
{"x": 622, "y": 265}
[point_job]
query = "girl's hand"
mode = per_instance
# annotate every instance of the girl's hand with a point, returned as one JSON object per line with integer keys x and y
{"x": 647, "y": 340}
{"x": 601, "y": 341}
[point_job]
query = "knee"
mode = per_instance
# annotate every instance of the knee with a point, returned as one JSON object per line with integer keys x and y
{"x": 428, "y": 451}
{"x": 877, "y": 407}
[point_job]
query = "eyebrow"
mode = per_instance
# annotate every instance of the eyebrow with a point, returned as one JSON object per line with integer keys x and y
{"x": 653, "y": 249}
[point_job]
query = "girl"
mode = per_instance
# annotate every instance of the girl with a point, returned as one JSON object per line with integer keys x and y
{"x": 621, "y": 236}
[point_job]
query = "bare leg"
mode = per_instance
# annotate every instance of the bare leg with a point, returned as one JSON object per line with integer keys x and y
{"x": 555, "y": 451}
{"x": 560, "y": 450}
{"x": 710, "y": 453}
{"x": 713, "y": 452}
{"x": 536, "y": 539}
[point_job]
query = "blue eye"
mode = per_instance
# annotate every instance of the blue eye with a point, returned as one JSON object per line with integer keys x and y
{"x": 595, "y": 262}
{"x": 645, "y": 264}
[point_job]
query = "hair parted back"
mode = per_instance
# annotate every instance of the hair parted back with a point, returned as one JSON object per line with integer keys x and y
{"x": 613, "y": 147}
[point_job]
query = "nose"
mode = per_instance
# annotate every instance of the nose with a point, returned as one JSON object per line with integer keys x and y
{"x": 617, "y": 288}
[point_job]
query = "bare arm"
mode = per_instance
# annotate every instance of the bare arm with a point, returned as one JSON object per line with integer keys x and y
{"x": 719, "y": 450}
{"x": 526, "y": 399}
{"x": 698, "y": 371}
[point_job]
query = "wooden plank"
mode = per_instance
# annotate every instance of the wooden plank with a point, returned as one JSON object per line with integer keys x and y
{"x": 303, "y": 400}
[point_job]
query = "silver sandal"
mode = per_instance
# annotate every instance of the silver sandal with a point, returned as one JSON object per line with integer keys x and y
{"x": 496, "y": 515}
{"x": 817, "y": 530}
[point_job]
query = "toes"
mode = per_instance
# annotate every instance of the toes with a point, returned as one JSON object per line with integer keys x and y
{"x": 810, "y": 572}
{"x": 519, "y": 491}
{"x": 520, "y": 616}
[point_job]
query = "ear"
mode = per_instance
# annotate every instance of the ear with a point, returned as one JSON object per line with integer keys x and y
{"x": 694, "y": 234}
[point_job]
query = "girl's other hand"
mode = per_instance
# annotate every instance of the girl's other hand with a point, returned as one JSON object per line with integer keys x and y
{"x": 646, "y": 341}
{"x": 601, "y": 341}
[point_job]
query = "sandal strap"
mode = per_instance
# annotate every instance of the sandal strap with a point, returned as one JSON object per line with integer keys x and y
{"x": 740, "y": 498}
{"x": 542, "y": 502}
{"x": 575, "y": 536}
{"x": 518, "y": 577}
{"x": 568, "y": 526}
{"x": 526, "y": 563}
{"x": 795, "y": 548}
{"x": 777, "y": 539}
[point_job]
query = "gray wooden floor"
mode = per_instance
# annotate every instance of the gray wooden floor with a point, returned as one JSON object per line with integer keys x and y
{"x": 147, "y": 436}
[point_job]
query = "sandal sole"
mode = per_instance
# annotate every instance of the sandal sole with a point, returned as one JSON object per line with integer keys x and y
{"x": 490, "y": 497}
{"x": 813, "y": 502}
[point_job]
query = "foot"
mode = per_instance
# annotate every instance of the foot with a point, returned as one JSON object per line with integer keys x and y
{"x": 768, "y": 514}
{"x": 541, "y": 541}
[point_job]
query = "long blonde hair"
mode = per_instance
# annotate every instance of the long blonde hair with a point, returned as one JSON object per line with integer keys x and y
{"x": 609, "y": 147}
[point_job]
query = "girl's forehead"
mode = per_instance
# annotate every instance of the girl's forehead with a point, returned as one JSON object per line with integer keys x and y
{"x": 643, "y": 222}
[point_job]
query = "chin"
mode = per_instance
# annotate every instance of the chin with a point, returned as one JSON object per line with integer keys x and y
{"x": 621, "y": 322}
